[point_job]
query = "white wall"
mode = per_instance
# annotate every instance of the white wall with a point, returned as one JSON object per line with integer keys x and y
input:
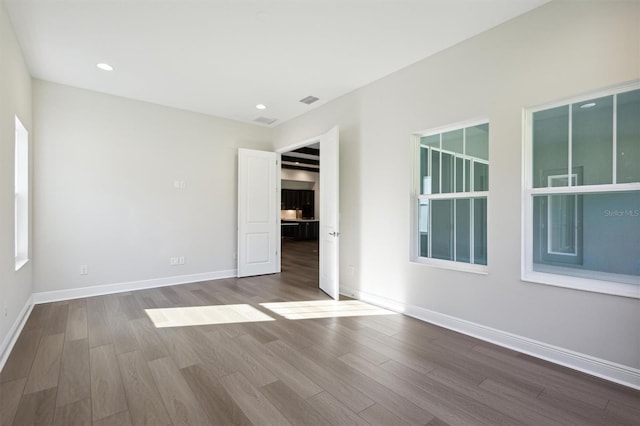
{"x": 15, "y": 99}
{"x": 562, "y": 49}
{"x": 305, "y": 176}
{"x": 104, "y": 189}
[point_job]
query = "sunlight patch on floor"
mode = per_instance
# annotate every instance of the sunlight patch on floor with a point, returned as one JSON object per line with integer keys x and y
{"x": 324, "y": 309}
{"x": 204, "y": 315}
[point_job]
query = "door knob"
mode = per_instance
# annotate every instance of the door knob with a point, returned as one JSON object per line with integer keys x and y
{"x": 334, "y": 234}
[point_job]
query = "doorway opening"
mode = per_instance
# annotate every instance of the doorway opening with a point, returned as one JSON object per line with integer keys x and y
{"x": 300, "y": 214}
{"x": 258, "y": 212}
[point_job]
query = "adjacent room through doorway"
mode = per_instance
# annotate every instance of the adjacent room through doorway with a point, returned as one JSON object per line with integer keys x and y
{"x": 300, "y": 214}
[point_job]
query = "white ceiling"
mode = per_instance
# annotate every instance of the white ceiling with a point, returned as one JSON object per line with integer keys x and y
{"x": 222, "y": 57}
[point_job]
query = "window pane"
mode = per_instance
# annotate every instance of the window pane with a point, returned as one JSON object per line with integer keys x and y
{"x": 595, "y": 235}
{"x": 477, "y": 141}
{"x": 453, "y": 141}
{"x": 447, "y": 173}
{"x": 467, "y": 175}
{"x": 435, "y": 171}
{"x": 612, "y": 221}
{"x": 459, "y": 174}
{"x": 592, "y": 140}
{"x": 463, "y": 230}
{"x": 550, "y": 144}
{"x": 425, "y": 181}
{"x": 442, "y": 229}
{"x": 539, "y": 227}
{"x": 480, "y": 231}
{"x": 558, "y": 229}
{"x": 562, "y": 223}
{"x": 628, "y": 141}
{"x": 480, "y": 176}
{"x": 423, "y": 224}
{"x": 432, "y": 141}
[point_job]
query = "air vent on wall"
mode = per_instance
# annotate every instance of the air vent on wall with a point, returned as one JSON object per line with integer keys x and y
{"x": 265, "y": 120}
{"x": 309, "y": 100}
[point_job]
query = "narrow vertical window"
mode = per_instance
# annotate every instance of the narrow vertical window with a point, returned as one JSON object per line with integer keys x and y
{"x": 21, "y": 202}
{"x": 451, "y": 190}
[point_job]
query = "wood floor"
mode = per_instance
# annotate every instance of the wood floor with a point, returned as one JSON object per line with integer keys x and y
{"x": 102, "y": 361}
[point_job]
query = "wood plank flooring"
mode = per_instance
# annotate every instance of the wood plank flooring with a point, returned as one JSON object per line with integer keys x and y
{"x": 102, "y": 361}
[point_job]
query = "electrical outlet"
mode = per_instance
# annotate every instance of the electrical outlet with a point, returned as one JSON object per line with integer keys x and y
{"x": 173, "y": 261}
{"x": 352, "y": 271}
{"x": 84, "y": 270}
{"x": 181, "y": 260}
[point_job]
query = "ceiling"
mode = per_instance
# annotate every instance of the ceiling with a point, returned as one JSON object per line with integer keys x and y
{"x": 222, "y": 57}
{"x": 306, "y": 158}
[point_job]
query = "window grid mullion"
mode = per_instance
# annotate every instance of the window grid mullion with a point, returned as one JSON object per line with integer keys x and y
{"x": 472, "y": 203}
{"x": 429, "y": 236}
{"x": 464, "y": 153}
{"x": 472, "y": 166}
{"x": 614, "y": 178}
{"x": 429, "y": 222}
{"x": 440, "y": 165}
{"x": 455, "y": 174}
{"x": 570, "y": 147}
{"x": 456, "y": 195}
{"x": 454, "y": 244}
{"x": 585, "y": 189}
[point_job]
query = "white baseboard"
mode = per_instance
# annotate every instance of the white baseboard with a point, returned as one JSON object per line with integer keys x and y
{"x": 12, "y": 336}
{"x": 598, "y": 367}
{"x": 76, "y": 293}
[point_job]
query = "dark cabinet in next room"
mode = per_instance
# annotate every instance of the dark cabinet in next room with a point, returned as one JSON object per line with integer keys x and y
{"x": 308, "y": 231}
{"x": 289, "y": 199}
{"x": 300, "y": 229}
{"x": 298, "y": 199}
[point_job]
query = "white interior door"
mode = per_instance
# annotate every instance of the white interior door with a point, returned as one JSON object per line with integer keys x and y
{"x": 258, "y": 205}
{"x": 329, "y": 213}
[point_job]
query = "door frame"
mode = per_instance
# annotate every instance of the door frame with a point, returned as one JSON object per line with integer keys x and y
{"x": 300, "y": 144}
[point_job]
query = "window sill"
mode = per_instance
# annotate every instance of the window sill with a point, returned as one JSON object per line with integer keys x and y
{"x": 20, "y": 262}
{"x": 595, "y": 285}
{"x": 454, "y": 266}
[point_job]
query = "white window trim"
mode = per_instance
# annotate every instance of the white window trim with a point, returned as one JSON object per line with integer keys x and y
{"x": 415, "y": 196}
{"x": 21, "y": 198}
{"x": 574, "y": 178}
{"x": 596, "y": 285}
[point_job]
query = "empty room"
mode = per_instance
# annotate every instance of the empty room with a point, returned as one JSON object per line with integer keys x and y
{"x": 326, "y": 212}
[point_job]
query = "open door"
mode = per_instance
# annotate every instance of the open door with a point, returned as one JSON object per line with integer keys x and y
{"x": 329, "y": 216}
{"x": 258, "y": 208}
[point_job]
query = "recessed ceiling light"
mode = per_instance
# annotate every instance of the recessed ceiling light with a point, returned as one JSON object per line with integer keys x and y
{"x": 589, "y": 105}
{"x": 104, "y": 67}
{"x": 261, "y": 106}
